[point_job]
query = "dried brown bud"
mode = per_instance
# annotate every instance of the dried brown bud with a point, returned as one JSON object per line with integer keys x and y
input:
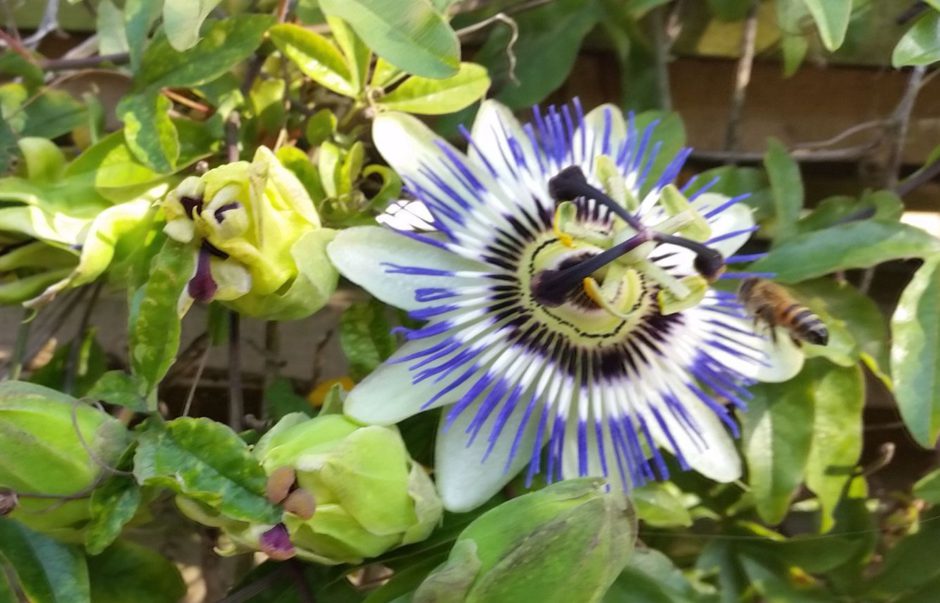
{"x": 301, "y": 503}
{"x": 8, "y": 501}
{"x": 280, "y": 483}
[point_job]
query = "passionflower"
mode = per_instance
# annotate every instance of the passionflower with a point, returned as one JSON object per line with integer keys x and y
{"x": 256, "y": 234}
{"x": 571, "y": 320}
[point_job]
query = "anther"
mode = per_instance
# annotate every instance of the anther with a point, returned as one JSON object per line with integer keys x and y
{"x": 708, "y": 262}
{"x": 570, "y": 183}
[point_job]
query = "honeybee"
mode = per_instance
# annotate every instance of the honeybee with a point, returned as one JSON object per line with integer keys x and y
{"x": 770, "y": 303}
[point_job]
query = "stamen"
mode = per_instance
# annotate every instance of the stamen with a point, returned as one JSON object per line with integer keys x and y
{"x": 570, "y": 183}
{"x": 551, "y": 287}
{"x": 708, "y": 262}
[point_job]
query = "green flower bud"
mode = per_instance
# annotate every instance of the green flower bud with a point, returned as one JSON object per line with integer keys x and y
{"x": 257, "y": 236}
{"x": 355, "y": 493}
{"x": 54, "y": 450}
{"x": 568, "y": 542}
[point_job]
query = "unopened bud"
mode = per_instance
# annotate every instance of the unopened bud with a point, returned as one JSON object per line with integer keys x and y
{"x": 279, "y": 484}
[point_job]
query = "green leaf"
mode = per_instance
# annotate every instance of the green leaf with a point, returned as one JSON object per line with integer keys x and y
{"x": 154, "y": 324}
{"x": 206, "y": 461}
{"x": 52, "y": 114}
{"x": 435, "y": 96}
{"x": 550, "y": 36}
{"x": 832, "y": 20}
{"x": 832, "y": 211}
{"x": 182, "y": 20}
{"x": 365, "y": 337}
{"x": 320, "y": 127}
{"x": 410, "y": 34}
{"x": 786, "y": 184}
{"x": 839, "y": 395}
{"x": 139, "y": 16}
{"x": 651, "y": 577}
{"x": 915, "y": 353}
{"x": 224, "y": 44}
{"x": 846, "y": 246}
{"x": 47, "y": 570}
{"x": 149, "y": 131}
{"x": 112, "y": 37}
{"x": 316, "y": 56}
{"x": 358, "y": 56}
{"x": 130, "y": 572}
{"x": 281, "y": 399}
{"x": 928, "y": 487}
{"x": 120, "y": 389}
{"x": 659, "y": 504}
{"x": 920, "y": 45}
{"x": 113, "y": 504}
{"x": 777, "y": 437}
{"x": 855, "y": 317}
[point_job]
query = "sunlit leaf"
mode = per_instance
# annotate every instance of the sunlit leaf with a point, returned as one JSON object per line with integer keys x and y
{"x": 846, "y": 246}
{"x": 316, "y": 56}
{"x": 915, "y": 353}
{"x": 839, "y": 395}
{"x": 832, "y": 20}
{"x": 786, "y": 184}
{"x": 435, "y": 96}
{"x": 921, "y": 44}
{"x": 149, "y": 131}
{"x": 410, "y": 34}
{"x": 154, "y": 322}
{"x": 206, "y": 461}
{"x": 182, "y": 20}
{"x": 777, "y": 437}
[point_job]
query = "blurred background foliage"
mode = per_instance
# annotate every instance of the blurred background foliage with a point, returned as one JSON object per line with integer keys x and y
{"x": 824, "y": 110}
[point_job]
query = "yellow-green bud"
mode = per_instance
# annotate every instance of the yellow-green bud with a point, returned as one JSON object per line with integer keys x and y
{"x": 565, "y": 543}
{"x": 54, "y": 450}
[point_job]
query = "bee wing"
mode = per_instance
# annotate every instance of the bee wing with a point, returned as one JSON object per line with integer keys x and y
{"x": 407, "y": 215}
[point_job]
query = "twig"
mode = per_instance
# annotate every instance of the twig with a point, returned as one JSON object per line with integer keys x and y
{"x": 71, "y": 364}
{"x": 186, "y": 101}
{"x": 902, "y": 120}
{"x": 510, "y": 46}
{"x": 661, "y": 46}
{"x": 196, "y": 379}
{"x": 118, "y": 58}
{"x": 15, "y": 45}
{"x": 236, "y": 401}
{"x": 48, "y": 24}
{"x": 272, "y": 364}
{"x": 802, "y": 155}
{"x": 918, "y": 178}
{"x": 742, "y": 76}
{"x": 283, "y": 6}
{"x": 828, "y": 142}
{"x": 19, "y": 348}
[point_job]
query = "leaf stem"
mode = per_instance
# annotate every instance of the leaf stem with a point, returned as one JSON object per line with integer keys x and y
{"x": 236, "y": 403}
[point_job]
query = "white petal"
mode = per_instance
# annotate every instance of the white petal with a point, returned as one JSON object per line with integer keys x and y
{"x": 387, "y": 395}
{"x": 360, "y": 252}
{"x": 602, "y": 134}
{"x": 784, "y": 358}
{"x": 718, "y": 459}
{"x": 464, "y": 480}
{"x": 737, "y": 218}
{"x": 494, "y": 126}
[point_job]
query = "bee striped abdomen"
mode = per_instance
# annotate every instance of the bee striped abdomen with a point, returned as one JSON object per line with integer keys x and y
{"x": 804, "y": 324}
